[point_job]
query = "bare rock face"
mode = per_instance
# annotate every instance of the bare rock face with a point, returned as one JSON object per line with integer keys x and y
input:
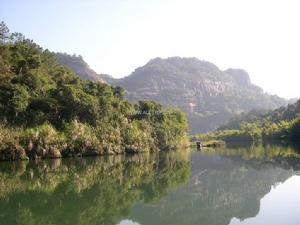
{"x": 54, "y": 153}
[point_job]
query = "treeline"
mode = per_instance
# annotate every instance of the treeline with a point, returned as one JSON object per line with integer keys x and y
{"x": 48, "y": 111}
{"x": 282, "y": 124}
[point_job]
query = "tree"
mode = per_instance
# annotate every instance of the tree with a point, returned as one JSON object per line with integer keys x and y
{"x": 4, "y": 33}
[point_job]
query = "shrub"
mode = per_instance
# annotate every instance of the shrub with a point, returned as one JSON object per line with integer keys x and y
{"x": 294, "y": 131}
{"x": 43, "y": 141}
{"x": 137, "y": 137}
{"x": 9, "y": 145}
{"x": 82, "y": 140}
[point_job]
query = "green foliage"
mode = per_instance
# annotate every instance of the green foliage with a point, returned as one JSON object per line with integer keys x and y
{"x": 171, "y": 129}
{"x": 81, "y": 140}
{"x": 4, "y": 32}
{"x": 9, "y": 144}
{"x": 170, "y": 125}
{"x": 294, "y": 130}
{"x": 19, "y": 99}
{"x": 56, "y": 113}
{"x": 42, "y": 141}
{"x": 280, "y": 124}
{"x": 138, "y": 136}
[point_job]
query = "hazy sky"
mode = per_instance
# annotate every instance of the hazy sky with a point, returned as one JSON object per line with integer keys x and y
{"x": 115, "y": 37}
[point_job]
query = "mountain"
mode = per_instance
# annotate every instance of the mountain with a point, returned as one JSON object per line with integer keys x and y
{"x": 80, "y": 67}
{"x": 208, "y": 95}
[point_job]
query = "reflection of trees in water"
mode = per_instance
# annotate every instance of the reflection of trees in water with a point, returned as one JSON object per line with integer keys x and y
{"x": 219, "y": 189}
{"x": 287, "y": 157}
{"x": 86, "y": 191}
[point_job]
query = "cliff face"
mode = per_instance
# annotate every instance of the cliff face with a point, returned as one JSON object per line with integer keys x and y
{"x": 208, "y": 95}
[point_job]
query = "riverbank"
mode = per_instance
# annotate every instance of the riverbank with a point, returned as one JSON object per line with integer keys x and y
{"x": 77, "y": 141}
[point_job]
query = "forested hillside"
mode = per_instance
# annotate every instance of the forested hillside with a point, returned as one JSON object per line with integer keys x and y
{"x": 48, "y": 111}
{"x": 280, "y": 124}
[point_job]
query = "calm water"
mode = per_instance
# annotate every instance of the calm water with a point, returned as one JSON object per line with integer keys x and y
{"x": 246, "y": 186}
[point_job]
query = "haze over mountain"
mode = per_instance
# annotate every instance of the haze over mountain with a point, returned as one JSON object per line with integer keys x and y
{"x": 208, "y": 95}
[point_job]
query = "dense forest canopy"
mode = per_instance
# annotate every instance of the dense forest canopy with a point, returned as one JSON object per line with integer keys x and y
{"x": 48, "y": 111}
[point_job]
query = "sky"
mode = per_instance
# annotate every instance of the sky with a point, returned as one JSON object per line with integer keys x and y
{"x": 117, "y": 36}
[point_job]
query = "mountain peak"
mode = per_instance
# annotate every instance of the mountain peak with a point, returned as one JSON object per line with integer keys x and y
{"x": 192, "y": 64}
{"x": 241, "y": 76}
{"x": 79, "y": 66}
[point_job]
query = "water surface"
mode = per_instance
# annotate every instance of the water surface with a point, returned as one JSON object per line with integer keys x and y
{"x": 253, "y": 185}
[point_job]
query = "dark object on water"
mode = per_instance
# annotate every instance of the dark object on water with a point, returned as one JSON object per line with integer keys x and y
{"x": 199, "y": 145}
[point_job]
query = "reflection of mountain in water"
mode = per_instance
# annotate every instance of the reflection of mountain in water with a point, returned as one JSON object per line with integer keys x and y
{"x": 219, "y": 189}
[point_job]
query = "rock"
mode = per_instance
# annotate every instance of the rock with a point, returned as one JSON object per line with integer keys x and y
{"x": 13, "y": 152}
{"x": 30, "y": 145}
{"x": 21, "y": 154}
{"x": 131, "y": 149}
{"x": 54, "y": 153}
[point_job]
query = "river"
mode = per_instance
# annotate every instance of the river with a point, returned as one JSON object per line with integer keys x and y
{"x": 254, "y": 185}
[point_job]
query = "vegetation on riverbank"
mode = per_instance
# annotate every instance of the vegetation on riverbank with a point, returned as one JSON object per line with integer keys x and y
{"x": 48, "y": 111}
{"x": 279, "y": 125}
